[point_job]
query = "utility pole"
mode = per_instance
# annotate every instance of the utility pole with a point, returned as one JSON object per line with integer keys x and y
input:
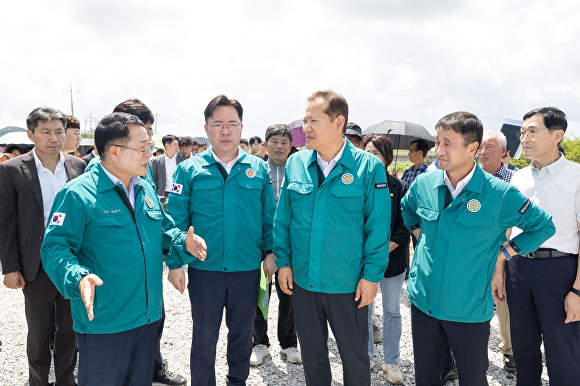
{"x": 156, "y": 119}
{"x": 72, "y": 110}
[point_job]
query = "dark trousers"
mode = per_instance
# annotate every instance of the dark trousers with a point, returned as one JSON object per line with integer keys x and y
{"x": 349, "y": 324}
{"x": 286, "y": 330}
{"x": 209, "y": 293}
{"x": 43, "y": 304}
{"x": 468, "y": 341}
{"x": 536, "y": 289}
{"x": 159, "y": 333}
{"x": 120, "y": 359}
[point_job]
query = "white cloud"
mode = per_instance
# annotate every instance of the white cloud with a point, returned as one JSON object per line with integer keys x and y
{"x": 408, "y": 60}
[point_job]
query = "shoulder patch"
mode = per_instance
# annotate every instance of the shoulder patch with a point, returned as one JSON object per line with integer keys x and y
{"x": 57, "y": 218}
{"x": 524, "y": 208}
{"x": 177, "y": 188}
{"x": 380, "y": 186}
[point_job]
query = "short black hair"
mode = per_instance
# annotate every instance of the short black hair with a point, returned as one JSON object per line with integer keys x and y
{"x": 168, "y": 139}
{"x": 184, "y": 141}
{"x": 222, "y": 100}
{"x": 255, "y": 139}
{"x": 382, "y": 143}
{"x": 422, "y": 146}
{"x": 45, "y": 114}
{"x": 113, "y": 129}
{"x": 135, "y": 107}
{"x": 244, "y": 141}
{"x": 279, "y": 129}
{"x": 554, "y": 118}
{"x": 466, "y": 124}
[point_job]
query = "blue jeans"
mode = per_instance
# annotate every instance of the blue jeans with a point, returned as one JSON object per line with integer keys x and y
{"x": 392, "y": 326}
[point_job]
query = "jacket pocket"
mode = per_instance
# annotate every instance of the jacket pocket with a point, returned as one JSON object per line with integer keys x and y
{"x": 427, "y": 214}
{"x": 114, "y": 221}
{"x": 300, "y": 187}
{"x": 154, "y": 214}
{"x": 474, "y": 220}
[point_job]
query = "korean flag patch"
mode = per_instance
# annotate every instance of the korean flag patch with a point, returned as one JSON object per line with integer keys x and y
{"x": 57, "y": 219}
{"x": 176, "y": 188}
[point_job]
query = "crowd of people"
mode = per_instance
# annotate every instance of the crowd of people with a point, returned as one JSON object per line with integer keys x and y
{"x": 328, "y": 226}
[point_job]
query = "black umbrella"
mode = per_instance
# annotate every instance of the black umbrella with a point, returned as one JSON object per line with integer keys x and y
{"x": 401, "y": 133}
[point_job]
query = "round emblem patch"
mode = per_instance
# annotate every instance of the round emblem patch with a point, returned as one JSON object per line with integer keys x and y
{"x": 149, "y": 202}
{"x": 473, "y": 206}
{"x": 250, "y": 173}
{"x": 347, "y": 178}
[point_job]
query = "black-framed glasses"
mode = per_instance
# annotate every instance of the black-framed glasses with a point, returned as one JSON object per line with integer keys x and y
{"x": 530, "y": 133}
{"x": 230, "y": 126}
{"x": 144, "y": 151}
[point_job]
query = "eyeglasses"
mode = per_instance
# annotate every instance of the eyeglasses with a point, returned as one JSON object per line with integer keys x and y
{"x": 77, "y": 133}
{"x": 144, "y": 151}
{"x": 530, "y": 133}
{"x": 230, "y": 126}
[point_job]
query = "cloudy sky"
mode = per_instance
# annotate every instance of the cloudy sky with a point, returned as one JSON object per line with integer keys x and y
{"x": 413, "y": 60}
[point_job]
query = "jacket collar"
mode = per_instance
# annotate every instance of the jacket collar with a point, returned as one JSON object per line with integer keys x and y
{"x": 347, "y": 159}
{"x": 475, "y": 185}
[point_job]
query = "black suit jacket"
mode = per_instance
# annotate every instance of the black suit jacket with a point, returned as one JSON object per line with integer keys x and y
{"x": 87, "y": 158}
{"x": 158, "y": 168}
{"x": 399, "y": 232}
{"x": 22, "y": 213}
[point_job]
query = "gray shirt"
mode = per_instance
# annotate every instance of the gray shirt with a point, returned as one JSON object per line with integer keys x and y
{"x": 277, "y": 176}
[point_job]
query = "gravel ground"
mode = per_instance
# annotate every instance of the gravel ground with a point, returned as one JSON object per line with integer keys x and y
{"x": 177, "y": 339}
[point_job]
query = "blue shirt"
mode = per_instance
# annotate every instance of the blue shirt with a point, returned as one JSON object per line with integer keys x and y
{"x": 410, "y": 174}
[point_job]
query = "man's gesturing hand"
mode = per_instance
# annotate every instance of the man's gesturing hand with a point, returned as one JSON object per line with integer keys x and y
{"x": 195, "y": 244}
{"x": 87, "y": 288}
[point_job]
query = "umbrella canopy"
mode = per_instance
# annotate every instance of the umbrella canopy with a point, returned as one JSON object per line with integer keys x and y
{"x": 401, "y": 133}
{"x": 509, "y": 128}
{"x": 15, "y": 138}
{"x": 298, "y": 138}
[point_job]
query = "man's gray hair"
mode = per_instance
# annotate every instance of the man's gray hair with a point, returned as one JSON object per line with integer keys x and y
{"x": 499, "y": 137}
{"x": 44, "y": 114}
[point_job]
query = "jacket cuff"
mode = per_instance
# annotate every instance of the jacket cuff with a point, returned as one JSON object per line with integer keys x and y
{"x": 371, "y": 278}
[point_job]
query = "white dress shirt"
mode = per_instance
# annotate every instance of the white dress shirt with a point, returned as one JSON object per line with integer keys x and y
{"x": 328, "y": 166}
{"x": 461, "y": 184}
{"x": 131, "y": 193}
{"x": 170, "y": 166}
{"x": 228, "y": 166}
{"x": 50, "y": 183}
{"x": 556, "y": 189}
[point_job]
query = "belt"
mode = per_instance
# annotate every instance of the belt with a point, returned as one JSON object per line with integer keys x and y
{"x": 544, "y": 253}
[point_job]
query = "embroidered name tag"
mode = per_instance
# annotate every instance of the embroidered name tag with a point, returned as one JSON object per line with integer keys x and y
{"x": 525, "y": 207}
{"x": 380, "y": 186}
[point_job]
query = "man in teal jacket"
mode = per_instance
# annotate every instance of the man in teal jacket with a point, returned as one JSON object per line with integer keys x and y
{"x": 108, "y": 230}
{"x": 227, "y": 194}
{"x": 331, "y": 232}
{"x": 460, "y": 215}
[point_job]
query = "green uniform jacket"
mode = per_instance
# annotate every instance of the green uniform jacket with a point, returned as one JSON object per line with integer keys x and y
{"x": 334, "y": 234}
{"x": 97, "y": 234}
{"x": 450, "y": 276}
{"x": 233, "y": 214}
